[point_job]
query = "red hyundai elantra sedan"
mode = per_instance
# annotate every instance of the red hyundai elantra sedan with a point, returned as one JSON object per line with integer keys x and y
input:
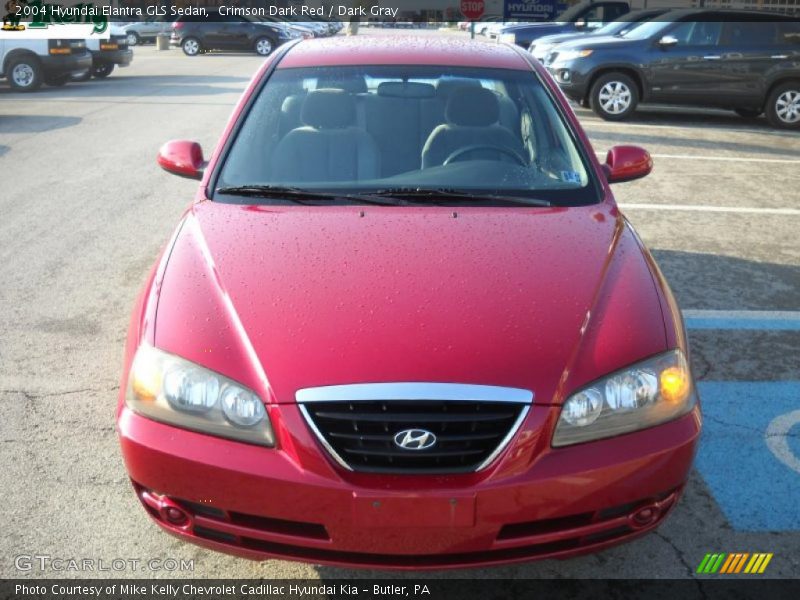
{"x": 404, "y": 324}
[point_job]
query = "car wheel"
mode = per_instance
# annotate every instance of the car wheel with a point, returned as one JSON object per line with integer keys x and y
{"x": 614, "y": 96}
{"x": 191, "y": 47}
{"x": 56, "y": 80}
{"x": 133, "y": 38}
{"x": 264, "y": 46}
{"x": 102, "y": 71}
{"x": 783, "y": 106}
{"x": 24, "y": 74}
{"x": 747, "y": 113}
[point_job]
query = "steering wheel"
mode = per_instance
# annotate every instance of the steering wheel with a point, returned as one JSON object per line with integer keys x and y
{"x": 503, "y": 150}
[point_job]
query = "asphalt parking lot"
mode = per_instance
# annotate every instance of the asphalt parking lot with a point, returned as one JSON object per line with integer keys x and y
{"x": 84, "y": 210}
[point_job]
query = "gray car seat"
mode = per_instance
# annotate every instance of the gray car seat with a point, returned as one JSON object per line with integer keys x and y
{"x": 328, "y": 147}
{"x": 472, "y": 120}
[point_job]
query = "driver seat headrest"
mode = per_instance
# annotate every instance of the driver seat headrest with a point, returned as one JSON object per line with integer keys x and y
{"x": 473, "y": 107}
{"x": 329, "y": 109}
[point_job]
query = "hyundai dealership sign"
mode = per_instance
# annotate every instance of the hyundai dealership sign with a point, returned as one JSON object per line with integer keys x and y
{"x": 532, "y": 10}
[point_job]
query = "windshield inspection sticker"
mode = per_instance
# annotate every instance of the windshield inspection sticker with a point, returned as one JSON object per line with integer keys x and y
{"x": 571, "y": 177}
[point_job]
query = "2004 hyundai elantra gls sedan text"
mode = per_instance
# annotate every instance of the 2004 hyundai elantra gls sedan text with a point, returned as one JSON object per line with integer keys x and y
{"x": 404, "y": 323}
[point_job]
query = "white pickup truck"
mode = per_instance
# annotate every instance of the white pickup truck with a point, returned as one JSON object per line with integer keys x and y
{"x": 27, "y": 63}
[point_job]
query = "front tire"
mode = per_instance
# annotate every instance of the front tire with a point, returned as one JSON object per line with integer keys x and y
{"x": 614, "y": 96}
{"x": 191, "y": 46}
{"x": 133, "y": 38}
{"x": 25, "y": 74}
{"x": 783, "y": 106}
{"x": 103, "y": 70}
{"x": 263, "y": 46}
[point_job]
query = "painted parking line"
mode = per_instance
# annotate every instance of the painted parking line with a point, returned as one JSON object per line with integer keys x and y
{"x": 765, "y": 320}
{"x": 749, "y": 452}
{"x": 789, "y": 212}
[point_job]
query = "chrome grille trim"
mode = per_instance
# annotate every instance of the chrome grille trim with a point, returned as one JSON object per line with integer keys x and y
{"x": 322, "y": 440}
{"x": 506, "y": 440}
{"x": 413, "y": 391}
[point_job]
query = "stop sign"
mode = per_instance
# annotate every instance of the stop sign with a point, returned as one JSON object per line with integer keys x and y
{"x": 472, "y": 9}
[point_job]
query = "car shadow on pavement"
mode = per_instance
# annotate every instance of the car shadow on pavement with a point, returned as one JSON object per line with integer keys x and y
{"x": 670, "y": 139}
{"x": 139, "y": 85}
{"x": 687, "y": 117}
{"x": 714, "y": 282}
{"x": 35, "y": 123}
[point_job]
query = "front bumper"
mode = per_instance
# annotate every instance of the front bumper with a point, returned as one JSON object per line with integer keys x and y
{"x": 573, "y": 82}
{"x": 265, "y": 503}
{"x": 76, "y": 62}
{"x": 121, "y": 57}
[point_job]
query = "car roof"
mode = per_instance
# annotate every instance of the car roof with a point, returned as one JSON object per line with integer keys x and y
{"x": 402, "y": 50}
{"x": 723, "y": 15}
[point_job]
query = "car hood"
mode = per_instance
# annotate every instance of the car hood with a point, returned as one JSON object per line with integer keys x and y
{"x": 544, "y": 299}
{"x": 561, "y": 38}
{"x": 597, "y": 43}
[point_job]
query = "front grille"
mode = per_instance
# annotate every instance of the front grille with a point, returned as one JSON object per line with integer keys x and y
{"x": 361, "y": 434}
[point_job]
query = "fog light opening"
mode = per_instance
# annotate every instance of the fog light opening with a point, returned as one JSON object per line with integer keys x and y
{"x": 175, "y": 516}
{"x": 646, "y": 515}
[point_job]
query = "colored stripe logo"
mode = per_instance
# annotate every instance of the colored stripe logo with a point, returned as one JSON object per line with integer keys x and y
{"x": 735, "y": 563}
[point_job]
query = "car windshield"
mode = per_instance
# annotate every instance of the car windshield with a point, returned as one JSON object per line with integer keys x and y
{"x": 646, "y": 30}
{"x": 371, "y": 129}
{"x": 614, "y": 27}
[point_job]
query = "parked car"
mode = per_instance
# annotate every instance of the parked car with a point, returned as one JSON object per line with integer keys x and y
{"x": 542, "y": 47}
{"x": 28, "y": 63}
{"x": 584, "y": 16}
{"x": 107, "y": 54}
{"x": 406, "y": 325}
{"x": 744, "y": 61}
{"x": 195, "y": 34}
{"x": 141, "y": 32}
{"x": 305, "y": 29}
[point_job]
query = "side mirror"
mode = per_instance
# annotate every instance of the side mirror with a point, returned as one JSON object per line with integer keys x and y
{"x": 182, "y": 157}
{"x": 626, "y": 163}
{"x": 580, "y": 23}
{"x": 667, "y": 41}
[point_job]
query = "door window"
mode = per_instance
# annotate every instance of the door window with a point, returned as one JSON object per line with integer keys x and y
{"x": 697, "y": 34}
{"x": 751, "y": 34}
{"x": 612, "y": 12}
{"x": 789, "y": 34}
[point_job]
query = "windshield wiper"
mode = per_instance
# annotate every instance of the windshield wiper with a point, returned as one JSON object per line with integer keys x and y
{"x": 299, "y": 195}
{"x": 451, "y": 195}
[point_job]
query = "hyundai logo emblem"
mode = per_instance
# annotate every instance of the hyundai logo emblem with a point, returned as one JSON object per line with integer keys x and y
{"x": 414, "y": 439}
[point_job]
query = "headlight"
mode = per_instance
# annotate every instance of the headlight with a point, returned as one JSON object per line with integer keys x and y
{"x": 166, "y": 388}
{"x": 540, "y": 50}
{"x": 508, "y": 38}
{"x": 573, "y": 54}
{"x": 649, "y": 393}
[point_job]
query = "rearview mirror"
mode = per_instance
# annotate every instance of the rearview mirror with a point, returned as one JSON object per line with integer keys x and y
{"x": 182, "y": 157}
{"x": 667, "y": 41}
{"x": 626, "y": 163}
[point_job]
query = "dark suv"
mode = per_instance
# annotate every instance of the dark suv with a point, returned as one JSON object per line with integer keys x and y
{"x": 214, "y": 31}
{"x": 744, "y": 61}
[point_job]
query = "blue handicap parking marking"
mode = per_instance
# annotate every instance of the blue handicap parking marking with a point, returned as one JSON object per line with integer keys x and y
{"x": 754, "y": 476}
